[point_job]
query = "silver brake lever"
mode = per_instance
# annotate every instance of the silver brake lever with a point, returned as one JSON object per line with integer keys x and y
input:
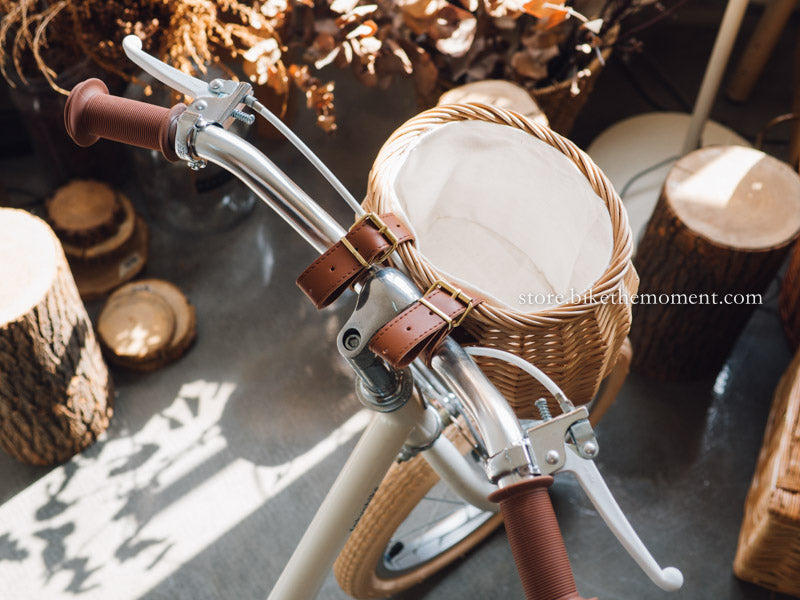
{"x": 567, "y": 443}
{"x": 169, "y": 76}
{"x": 216, "y": 102}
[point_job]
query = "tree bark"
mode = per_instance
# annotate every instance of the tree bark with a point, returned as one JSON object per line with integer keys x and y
{"x": 683, "y": 327}
{"x": 56, "y": 395}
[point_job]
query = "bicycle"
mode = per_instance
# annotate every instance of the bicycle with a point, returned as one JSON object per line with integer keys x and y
{"x": 435, "y": 417}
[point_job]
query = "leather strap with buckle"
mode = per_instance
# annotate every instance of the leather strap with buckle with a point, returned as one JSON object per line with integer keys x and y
{"x": 421, "y": 327}
{"x": 370, "y": 240}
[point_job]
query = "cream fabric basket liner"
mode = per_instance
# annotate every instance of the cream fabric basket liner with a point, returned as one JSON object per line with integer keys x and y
{"x": 509, "y": 210}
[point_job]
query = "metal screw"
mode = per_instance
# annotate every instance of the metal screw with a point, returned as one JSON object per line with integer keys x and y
{"x": 552, "y": 457}
{"x": 352, "y": 341}
{"x": 196, "y": 165}
{"x": 590, "y": 448}
{"x": 200, "y": 105}
{"x": 243, "y": 116}
{"x": 215, "y": 85}
{"x": 544, "y": 410}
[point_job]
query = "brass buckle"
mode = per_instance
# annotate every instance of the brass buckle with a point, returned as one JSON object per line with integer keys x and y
{"x": 456, "y": 294}
{"x": 383, "y": 229}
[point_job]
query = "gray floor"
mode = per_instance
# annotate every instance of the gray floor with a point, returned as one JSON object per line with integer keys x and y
{"x": 213, "y": 466}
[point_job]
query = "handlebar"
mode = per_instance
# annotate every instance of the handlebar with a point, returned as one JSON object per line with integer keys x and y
{"x": 535, "y": 540}
{"x": 92, "y": 113}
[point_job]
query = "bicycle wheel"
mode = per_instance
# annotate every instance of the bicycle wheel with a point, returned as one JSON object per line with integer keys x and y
{"x": 414, "y": 526}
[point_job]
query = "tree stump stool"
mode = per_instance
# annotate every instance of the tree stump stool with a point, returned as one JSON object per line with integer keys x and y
{"x": 725, "y": 220}
{"x": 105, "y": 241}
{"x": 789, "y": 304}
{"x": 55, "y": 391}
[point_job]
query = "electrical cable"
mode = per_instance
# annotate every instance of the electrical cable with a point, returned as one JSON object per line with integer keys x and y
{"x": 644, "y": 172}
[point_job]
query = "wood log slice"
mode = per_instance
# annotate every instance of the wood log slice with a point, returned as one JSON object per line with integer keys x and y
{"x": 725, "y": 220}
{"x": 184, "y": 332}
{"x": 135, "y": 325}
{"x": 56, "y": 395}
{"x": 98, "y": 276}
{"x": 84, "y": 212}
{"x": 102, "y": 250}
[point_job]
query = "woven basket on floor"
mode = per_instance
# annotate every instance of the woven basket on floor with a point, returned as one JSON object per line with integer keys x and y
{"x": 789, "y": 304}
{"x": 769, "y": 542}
{"x": 575, "y": 343}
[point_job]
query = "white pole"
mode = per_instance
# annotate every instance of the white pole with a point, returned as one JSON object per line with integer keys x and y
{"x": 723, "y": 45}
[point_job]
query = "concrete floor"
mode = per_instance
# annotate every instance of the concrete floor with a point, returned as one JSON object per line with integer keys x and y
{"x": 212, "y": 466}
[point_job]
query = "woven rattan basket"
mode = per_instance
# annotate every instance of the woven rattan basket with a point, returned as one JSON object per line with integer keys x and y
{"x": 769, "y": 542}
{"x": 575, "y": 343}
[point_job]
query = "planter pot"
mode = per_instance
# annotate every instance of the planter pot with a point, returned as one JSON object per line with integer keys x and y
{"x": 559, "y": 102}
{"x": 41, "y": 110}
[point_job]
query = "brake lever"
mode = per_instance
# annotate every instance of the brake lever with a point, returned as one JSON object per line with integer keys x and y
{"x": 215, "y": 102}
{"x": 567, "y": 443}
{"x": 169, "y": 76}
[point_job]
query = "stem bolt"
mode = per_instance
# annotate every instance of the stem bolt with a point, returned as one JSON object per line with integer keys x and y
{"x": 352, "y": 341}
{"x": 215, "y": 85}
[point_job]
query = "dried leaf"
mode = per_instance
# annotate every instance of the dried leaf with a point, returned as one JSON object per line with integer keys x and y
{"x": 459, "y": 27}
{"x": 549, "y": 13}
{"x": 401, "y": 55}
{"x": 532, "y": 63}
{"x": 420, "y": 9}
{"x": 366, "y": 29}
{"x": 327, "y": 59}
{"x": 343, "y": 6}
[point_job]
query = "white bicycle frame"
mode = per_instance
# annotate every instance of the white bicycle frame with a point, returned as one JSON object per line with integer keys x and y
{"x": 349, "y": 495}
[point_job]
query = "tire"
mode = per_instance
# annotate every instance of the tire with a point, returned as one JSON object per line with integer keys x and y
{"x": 368, "y": 568}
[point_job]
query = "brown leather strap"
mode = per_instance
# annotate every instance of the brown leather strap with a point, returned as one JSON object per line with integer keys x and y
{"x": 333, "y": 272}
{"x": 421, "y": 327}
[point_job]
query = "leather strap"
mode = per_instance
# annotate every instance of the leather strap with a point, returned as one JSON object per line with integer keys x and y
{"x": 336, "y": 270}
{"x": 420, "y": 328}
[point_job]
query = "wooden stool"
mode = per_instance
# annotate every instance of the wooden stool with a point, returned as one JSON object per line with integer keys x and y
{"x": 768, "y": 553}
{"x": 789, "y": 304}
{"x": 103, "y": 238}
{"x": 55, "y": 392}
{"x": 725, "y": 220}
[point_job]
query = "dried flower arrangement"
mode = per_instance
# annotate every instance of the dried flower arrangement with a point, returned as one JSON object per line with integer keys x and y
{"x": 533, "y": 42}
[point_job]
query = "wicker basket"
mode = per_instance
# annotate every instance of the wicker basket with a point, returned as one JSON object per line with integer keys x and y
{"x": 559, "y": 103}
{"x": 769, "y": 542}
{"x": 789, "y": 304}
{"x": 575, "y": 343}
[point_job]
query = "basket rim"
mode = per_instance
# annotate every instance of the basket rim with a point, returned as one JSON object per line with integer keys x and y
{"x": 616, "y": 274}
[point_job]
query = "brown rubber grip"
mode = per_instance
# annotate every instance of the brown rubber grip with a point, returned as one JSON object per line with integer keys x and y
{"x": 92, "y": 113}
{"x": 536, "y": 540}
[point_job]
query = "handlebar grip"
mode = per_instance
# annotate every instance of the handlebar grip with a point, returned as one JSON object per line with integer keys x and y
{"x": 536, "y": 541}
{"x": 92, "y": 113}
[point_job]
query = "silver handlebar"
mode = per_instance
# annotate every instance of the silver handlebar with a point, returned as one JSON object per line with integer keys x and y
{"x": 268, "y": 182}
